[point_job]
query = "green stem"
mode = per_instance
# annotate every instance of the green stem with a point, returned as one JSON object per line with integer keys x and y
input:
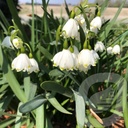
{"x": 33, "y": 27}
{"x": 28, "y": 47}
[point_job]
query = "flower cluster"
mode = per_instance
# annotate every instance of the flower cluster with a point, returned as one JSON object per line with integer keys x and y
{"x": 113, "y": 50}
{"x": 70, "y": 58}
{"x": 24, "y": 60}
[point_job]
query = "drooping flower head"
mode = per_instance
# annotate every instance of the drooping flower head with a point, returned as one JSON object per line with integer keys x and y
{"x": 21, "y": 63}
{"x": 80, "y": 19}
{"x": 116, "y": 49}
{"x": 34, "y": 66}
{"x": 18, "y": 43}
{"x": 87, "y": 57}
{"x": 7, "y": 42}
{"x": 96, "y": 24}
{"x": 64, "y": 60}
{"x": 70, "y": 29}
{"x": 109, "y": 50}
{"x": 99, "y": 46}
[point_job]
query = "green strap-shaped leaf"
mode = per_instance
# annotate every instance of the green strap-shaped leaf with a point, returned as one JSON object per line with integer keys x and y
{"x": 31, "y": 125}
{"x": 104, "y": 5}
{"x": 117, "y": 112}
{"x": 53, "y": 86}
{"x": 32, "y": 104}
{"x": 48, "y": 123}
{"x": 16, "y": 18}
{"x": 33, "y": 89}
{"x": 4, "y": 20}
{"x": 40, "y": 117}
{"x": 45, "y": 52}
{"x": 5, "y": 101}
{"x": 124, "y": 99}
{"x": 56, "y": 104}
{"x": 27, "y": 86}
{"x": 80, "y": 109}
{"x": 66, "y": 8}
{"x": 18, "y": 120}
{"x": 11, "y": 79}
{"x": 30, "y": 88}
{"x": 55, "y": 73}
{"x": 108, "y": 28}
{"x": 7, "y": 122}
{"x": 3, "y": 88}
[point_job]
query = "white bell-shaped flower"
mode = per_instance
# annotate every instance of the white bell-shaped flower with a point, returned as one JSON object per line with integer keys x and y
{"x": 109, "y": 50}
{"x": 70, "y": 29}
{"x": 84, "y": 69}
{"x": 80, "y": 19}
{"x": 95, "y": 55}
{"x": 87, "y": 58}
{"x": 21, "y": 63}
{"x": 64, "y": 60}
{"x": 96, "y": 22}
{"x": 7, "y": 42}
{"x": 93, "y": 29}
{"x": 99, "y": 46}
{"x": 116, "y": 49}
{"x": 34, "y": 67}
{"x": 17, "y": 42}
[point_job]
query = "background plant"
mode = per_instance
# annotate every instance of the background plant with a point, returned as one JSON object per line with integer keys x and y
{"x": 51, "y": 97}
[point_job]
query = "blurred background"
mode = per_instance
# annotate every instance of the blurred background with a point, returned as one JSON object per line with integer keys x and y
{"x": 114, "y": 3}
{"x": 58, "y": 7}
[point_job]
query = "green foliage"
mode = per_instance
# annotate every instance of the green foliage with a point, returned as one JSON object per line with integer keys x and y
{"x": 55, "y": 95}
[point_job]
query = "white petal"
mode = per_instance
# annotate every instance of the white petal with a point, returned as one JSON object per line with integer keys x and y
{"x": 87, "y": 58}
{"x": 67, "y": 61}
{"x": 17, "y": 43}
{"x": 82, "y": 68}
{"x": 64, "y": 60}
{"x": 93, "y": 29}
{"x": 7, "y": 42}
{"x": 80, "y": 19}
{"x": 99, "y": 46}
{"x": 96, "y": 22}
{"x": 70, "y": 29}
{"x": 75, "y": 56}
{"x": 84, "y": 57}
{"x": 57, "y": 58}
{"x": 109, "y": 50}
{"x": 21, "y": 63}
{"x": 34, "y": 67}
{"x": 116, "y": 49}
